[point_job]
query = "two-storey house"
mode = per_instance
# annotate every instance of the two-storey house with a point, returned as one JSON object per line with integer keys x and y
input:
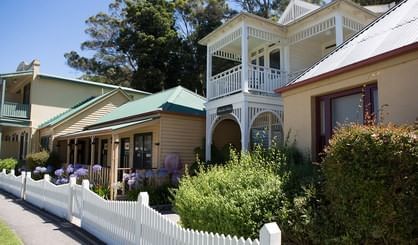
{"x": 249, "y": 56}
{"x": 30, "y": 98}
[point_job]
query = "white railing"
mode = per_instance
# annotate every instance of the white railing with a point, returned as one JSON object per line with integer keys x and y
{"x": 264, "y": 79}
{"x": 224, "y": 83}
{"x": 118, "y": 222}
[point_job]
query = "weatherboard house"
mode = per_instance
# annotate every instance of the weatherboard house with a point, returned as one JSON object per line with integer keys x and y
{"x": 260, "y": 55}
{"x": 31, "y": 100}
{"x": 373, "y": 74}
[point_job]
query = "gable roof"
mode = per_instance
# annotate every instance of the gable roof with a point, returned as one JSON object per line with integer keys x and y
{"x": 394, "y": 33}
{"x": 82, "y": 105}
{"x": 105, "y": 85}
{"x": 177, "y": 99}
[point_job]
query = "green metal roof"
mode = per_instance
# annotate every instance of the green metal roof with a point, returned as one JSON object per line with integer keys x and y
{"x": 73, "y": 110}
{"x": 177, "y": 99}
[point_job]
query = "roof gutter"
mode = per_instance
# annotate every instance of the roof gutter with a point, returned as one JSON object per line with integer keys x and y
{"x": 378, "y": 58}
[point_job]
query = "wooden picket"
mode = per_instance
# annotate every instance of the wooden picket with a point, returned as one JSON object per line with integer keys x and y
{"x": 119, "y": 222}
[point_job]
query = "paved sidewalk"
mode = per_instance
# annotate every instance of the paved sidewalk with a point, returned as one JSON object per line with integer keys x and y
{"x": 35, "y": 226}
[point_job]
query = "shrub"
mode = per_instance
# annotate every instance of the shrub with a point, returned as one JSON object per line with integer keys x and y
{"x": 371, "y": 176}
{"x": 8, "y": 164}
{"x": 235, "y": 199}
{"x": 158, "y": 195}
{"x": 37, "y": 159}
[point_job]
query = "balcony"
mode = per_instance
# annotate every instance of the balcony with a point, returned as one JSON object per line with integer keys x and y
{"x": 15, "y": 110}
{"x": 261, "y": 80}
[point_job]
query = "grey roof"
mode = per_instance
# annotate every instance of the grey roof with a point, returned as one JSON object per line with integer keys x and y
{"x": 105, "y": 85}
{"x": 395, "y": 29}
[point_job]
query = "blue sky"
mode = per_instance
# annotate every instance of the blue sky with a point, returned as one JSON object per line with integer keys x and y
{"x": 45, "y": 30}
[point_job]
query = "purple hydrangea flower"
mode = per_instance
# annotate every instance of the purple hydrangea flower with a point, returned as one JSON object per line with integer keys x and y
{"x": 149, "y": 173}
{"x": 69, "y": 169}
{"x": 63, "y": 180}
{"x": 43, "y": 170}
{"x": 81, "y": 172}
{"x": 131, "y": 182}
{"x": 97, "y": 168}
{"x": 125, "y": 176}
{"x": 59, "y": 172}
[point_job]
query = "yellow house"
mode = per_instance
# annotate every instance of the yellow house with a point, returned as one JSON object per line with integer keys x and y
{"x": 29, "y": 98}
{"x": 141, "y": 134}
{"x": 374, "y": 73}
{"x": 83, "y": 114}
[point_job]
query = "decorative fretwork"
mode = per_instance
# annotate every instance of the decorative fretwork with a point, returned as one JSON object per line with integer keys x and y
{"x": 225, "y": 41}
{"x": 352, "y": 24}
{"x": 313, "y": 30}
{"x": 227, "y": 55}
{"x": 263, "y": 35}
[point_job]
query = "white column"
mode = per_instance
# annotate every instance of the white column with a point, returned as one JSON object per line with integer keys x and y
{"x": 285, "y": 62}
{"x": 208, "y": 71}
{"x": 339, "y": 34}
{"x": 244, "y": 57}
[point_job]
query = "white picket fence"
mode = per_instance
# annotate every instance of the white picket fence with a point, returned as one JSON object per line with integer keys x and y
{"x": 118, "y": 222}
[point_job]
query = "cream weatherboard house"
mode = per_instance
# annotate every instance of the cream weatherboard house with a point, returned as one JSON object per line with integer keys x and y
{"x": 375, "y": 73}
{"x": 249, "y": 56}
{"x": 29, "y": 98}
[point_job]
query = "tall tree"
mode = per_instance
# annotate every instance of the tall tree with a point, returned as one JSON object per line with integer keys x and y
{"x": 149, "y": 37}
{"x": 108, "y": 64}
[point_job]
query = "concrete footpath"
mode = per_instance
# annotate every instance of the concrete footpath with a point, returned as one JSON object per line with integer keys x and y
{"x": 35, "y": 226}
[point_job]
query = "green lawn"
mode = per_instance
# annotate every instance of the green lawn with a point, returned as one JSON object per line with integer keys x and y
{"x": 7, "y": 236}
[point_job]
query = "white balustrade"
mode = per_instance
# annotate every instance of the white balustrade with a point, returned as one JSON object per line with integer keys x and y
{"x": 265, "y": 80}
{"x": 226, "y": 82}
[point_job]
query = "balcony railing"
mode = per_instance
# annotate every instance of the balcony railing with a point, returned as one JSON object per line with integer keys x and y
{"x": 226, "y": 82}
{"x": 260, "y": 79}
{"x": 16, "y": 110}
{"x": 265, "y": 80}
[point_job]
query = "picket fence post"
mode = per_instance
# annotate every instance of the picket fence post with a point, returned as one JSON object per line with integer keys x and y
{"x": 270, "y": 234}
{"x": 143, "y": 200}
{"x": 47, "y": 178}
{"x": 12, "y": 172}
{"x": 22, "y": 188}
{"x": 28, "y": 176}
{"x": 86, "y": 187}
{"x": 4, "y": 171}
{"x": 72, "y": 183}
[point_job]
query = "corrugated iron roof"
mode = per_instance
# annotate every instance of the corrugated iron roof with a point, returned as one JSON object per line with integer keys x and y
{"x": 395, "y": 29}
{"x": 177, "y": 99}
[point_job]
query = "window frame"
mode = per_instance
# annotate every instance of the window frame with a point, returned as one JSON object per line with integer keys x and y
{"x": 141, "y": 165}
{"x": 368, "y": 106}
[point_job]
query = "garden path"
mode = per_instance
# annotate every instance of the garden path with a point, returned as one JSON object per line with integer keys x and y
{"x": 35, "y": 226}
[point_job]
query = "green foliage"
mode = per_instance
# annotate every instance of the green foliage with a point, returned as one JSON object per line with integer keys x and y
{"x": 158, "y": 195}
{"x": 235, "y": 199}
{"x": 371, "y": 177}
{"x": 150, "y": 44}
{"x": 8, "y": 164}
{"x": 54, "y": 160}
{"x": 37, "y": 159}
{"x": 102, "y": 191}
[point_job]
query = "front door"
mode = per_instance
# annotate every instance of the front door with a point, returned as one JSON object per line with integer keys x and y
{"x": 143, "y": 151}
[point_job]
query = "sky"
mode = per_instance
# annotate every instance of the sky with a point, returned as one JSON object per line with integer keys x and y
{"x": 44, "y": 30}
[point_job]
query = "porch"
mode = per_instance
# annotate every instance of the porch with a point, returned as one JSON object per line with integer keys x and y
{"x": 15, "y": 97}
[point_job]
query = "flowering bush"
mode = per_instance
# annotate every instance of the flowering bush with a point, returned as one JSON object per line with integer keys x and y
{"x": 62, "y": 175}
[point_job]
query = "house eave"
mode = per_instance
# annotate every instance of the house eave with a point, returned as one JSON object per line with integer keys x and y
{"x": 375, "y": 59}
